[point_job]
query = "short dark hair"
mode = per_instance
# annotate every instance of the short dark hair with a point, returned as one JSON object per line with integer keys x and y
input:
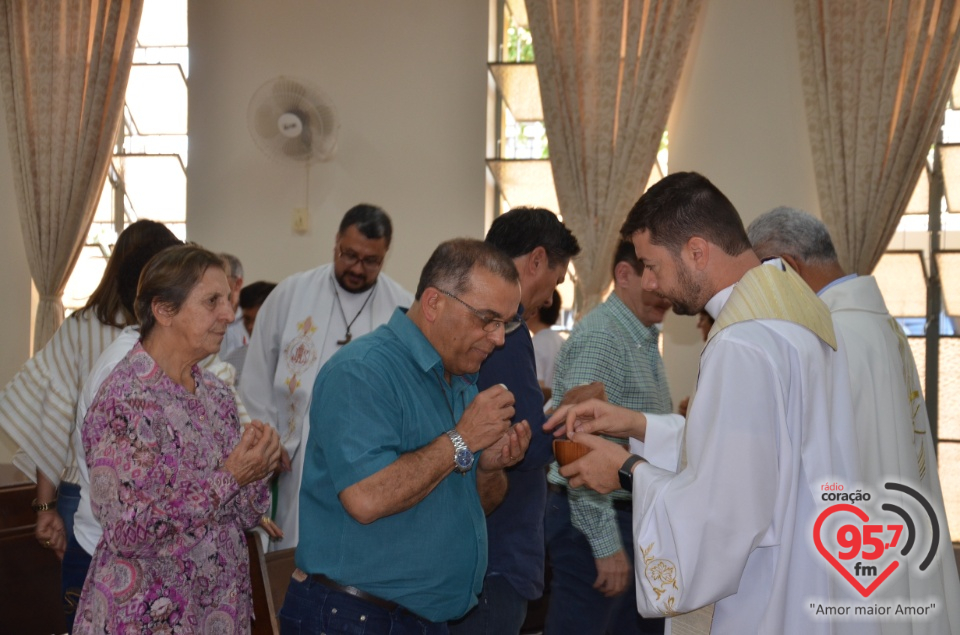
{"x": 451, "y": 263}
{"x": 627, "y": 253}
{"x": 683, "y": 205}
{"x": 168, "y": 279}
{"x": 370, "y": 220}
{"x": 550, "y": 314}
{"x": 523, "y": 229}
{"x": 255, "y": 293}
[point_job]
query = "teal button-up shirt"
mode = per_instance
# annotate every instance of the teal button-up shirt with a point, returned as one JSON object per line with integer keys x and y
{"x": 379, "y": 397}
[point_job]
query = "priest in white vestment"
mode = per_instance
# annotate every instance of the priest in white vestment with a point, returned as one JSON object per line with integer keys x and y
{"x": 725, "y": 503}
{"x": 893, "y": 430}
{"x": 304, "y": 321}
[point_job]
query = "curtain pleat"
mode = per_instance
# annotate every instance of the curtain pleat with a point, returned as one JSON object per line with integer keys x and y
{"x": 608, "y": 70}
{"x": 63, "y": 74}
{"x": 876, "y": 77}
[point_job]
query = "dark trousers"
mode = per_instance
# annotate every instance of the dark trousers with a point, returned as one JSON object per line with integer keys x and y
{"x": 76, "y": 561}
{"x": 500, "y": 610}
{"x": 576, "y": 608}
{"x": 310, "y": 608}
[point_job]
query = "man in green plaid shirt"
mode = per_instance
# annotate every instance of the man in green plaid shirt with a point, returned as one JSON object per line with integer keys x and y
{"x": 589, "y": 535}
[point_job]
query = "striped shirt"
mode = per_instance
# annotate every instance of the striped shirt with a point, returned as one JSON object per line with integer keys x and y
{"x": 37, "y": 407}
{"x": 610, "y": 345}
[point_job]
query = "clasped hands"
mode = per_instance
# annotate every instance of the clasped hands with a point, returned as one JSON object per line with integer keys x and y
{"x": 256, "y": 456}
{"x": 581, "y": 422}
{"x": 485, "y": 425}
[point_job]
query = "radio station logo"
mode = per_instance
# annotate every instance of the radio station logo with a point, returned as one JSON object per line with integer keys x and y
{"x": 868, "y": 546}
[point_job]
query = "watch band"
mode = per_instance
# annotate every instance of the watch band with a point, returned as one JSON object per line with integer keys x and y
{"x": 458, "y": 442}
{"x": 43, "y": 507}
{"x": 462, "y": 456}
{"x": 626, "y": 472}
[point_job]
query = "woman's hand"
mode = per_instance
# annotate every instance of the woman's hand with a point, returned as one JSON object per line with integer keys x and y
{"x": 256, "y": 456}
{"x": 50, "y": 532}
{"x": 273, "y": 529}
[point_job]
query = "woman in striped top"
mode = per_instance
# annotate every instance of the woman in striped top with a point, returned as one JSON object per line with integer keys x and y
{"x": 38, "y": 406}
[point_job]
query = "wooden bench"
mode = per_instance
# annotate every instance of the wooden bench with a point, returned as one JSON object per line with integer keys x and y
{"x": 270, "y": 575}
{"x": 29, "y": 574}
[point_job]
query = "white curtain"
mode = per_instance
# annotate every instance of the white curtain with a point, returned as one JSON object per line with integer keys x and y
{"x": 64, "y": 67}
{"x": 608, "y": 72}
{"x": 876, "y": 77}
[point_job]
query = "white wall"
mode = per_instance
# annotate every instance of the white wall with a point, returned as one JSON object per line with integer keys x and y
{"x": 739, "y": 120}
{"x": 409, "y": 81}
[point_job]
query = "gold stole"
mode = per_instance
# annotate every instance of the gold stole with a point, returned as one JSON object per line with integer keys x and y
{"x": 770, "y": 293}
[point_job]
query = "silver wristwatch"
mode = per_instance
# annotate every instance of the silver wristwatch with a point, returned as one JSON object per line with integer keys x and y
{"x": 462, "y": 456}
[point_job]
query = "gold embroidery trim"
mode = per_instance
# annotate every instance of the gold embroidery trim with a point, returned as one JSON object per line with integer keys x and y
{"x": 662, "y": 575}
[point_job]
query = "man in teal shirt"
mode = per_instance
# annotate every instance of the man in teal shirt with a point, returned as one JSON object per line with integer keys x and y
{"x": 392, "y": 529}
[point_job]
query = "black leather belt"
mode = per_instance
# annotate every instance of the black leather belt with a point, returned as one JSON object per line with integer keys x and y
{"x": 355, "y": 592}
{"x": 618, "y": 504}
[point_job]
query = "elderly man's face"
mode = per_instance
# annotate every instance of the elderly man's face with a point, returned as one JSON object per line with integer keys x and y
{"x": 652, "y": 308}
{"x": 463, "y": 343}
{"x": 357, "y": 260}
{"x": 648, "y": 306}
{"x": 235, "y": 285}
{"x": 203, "y": 318}
{"x": 669, "y": 276}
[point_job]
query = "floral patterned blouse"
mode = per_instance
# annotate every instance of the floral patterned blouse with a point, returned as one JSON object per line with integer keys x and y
{"x": 173, "y": 557}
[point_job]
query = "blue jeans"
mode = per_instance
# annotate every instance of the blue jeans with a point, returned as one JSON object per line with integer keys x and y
{"x": 76, "y": 561}
{"x": 575, "y": 607}
{"x": 500, "y": 611}
{"x": 310, "y": 608}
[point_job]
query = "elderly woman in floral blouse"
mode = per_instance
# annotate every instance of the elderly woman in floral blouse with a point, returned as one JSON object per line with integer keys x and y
{"x": 174, "y": 479}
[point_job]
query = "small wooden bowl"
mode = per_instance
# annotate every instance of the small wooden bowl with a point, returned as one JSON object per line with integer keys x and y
{"x": 568, "y": 451}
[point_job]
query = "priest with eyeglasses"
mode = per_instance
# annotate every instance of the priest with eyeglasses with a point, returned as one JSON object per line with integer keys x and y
{"x": 305, "y": 320}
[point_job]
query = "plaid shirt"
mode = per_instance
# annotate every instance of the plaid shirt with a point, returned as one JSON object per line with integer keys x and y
{"x": 612, "y": 346}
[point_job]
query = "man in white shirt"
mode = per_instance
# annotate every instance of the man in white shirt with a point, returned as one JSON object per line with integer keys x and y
{"x": 236, "y": 335}
{"x": 725, "y": 505}
{"x": 304, "y": 321}
{"x": 893, "y": 431}
{"x": 252, "y": 298}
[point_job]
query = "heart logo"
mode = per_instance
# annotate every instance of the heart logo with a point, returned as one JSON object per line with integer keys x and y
{"x": 873, "y": 541}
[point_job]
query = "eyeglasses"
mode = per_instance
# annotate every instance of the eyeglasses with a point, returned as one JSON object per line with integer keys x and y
{"x": 370, "y": 263}
{"x": 490, "y": 323}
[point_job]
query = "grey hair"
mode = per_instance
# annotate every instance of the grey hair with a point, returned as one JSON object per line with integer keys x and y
{"x": 792, "y": 232}
{"x": 232, "y": 265}
{"x": 452, "y": 262}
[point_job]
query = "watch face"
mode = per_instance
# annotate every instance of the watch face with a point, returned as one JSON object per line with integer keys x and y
{"x": 464, "y": 459}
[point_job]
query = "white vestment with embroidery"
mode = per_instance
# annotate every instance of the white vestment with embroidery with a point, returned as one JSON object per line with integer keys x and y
{"x": 769, "y": 425}
{"x": 893, "y": 432}
{"x": 295, "y": 332}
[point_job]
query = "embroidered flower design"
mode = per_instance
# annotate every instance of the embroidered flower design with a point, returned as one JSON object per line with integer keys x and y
{"x": 662, "y": 575}
{"x": 662, "y": 572}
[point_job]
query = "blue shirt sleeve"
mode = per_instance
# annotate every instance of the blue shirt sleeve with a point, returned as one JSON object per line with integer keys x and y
{"x": 353, "y": 422}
